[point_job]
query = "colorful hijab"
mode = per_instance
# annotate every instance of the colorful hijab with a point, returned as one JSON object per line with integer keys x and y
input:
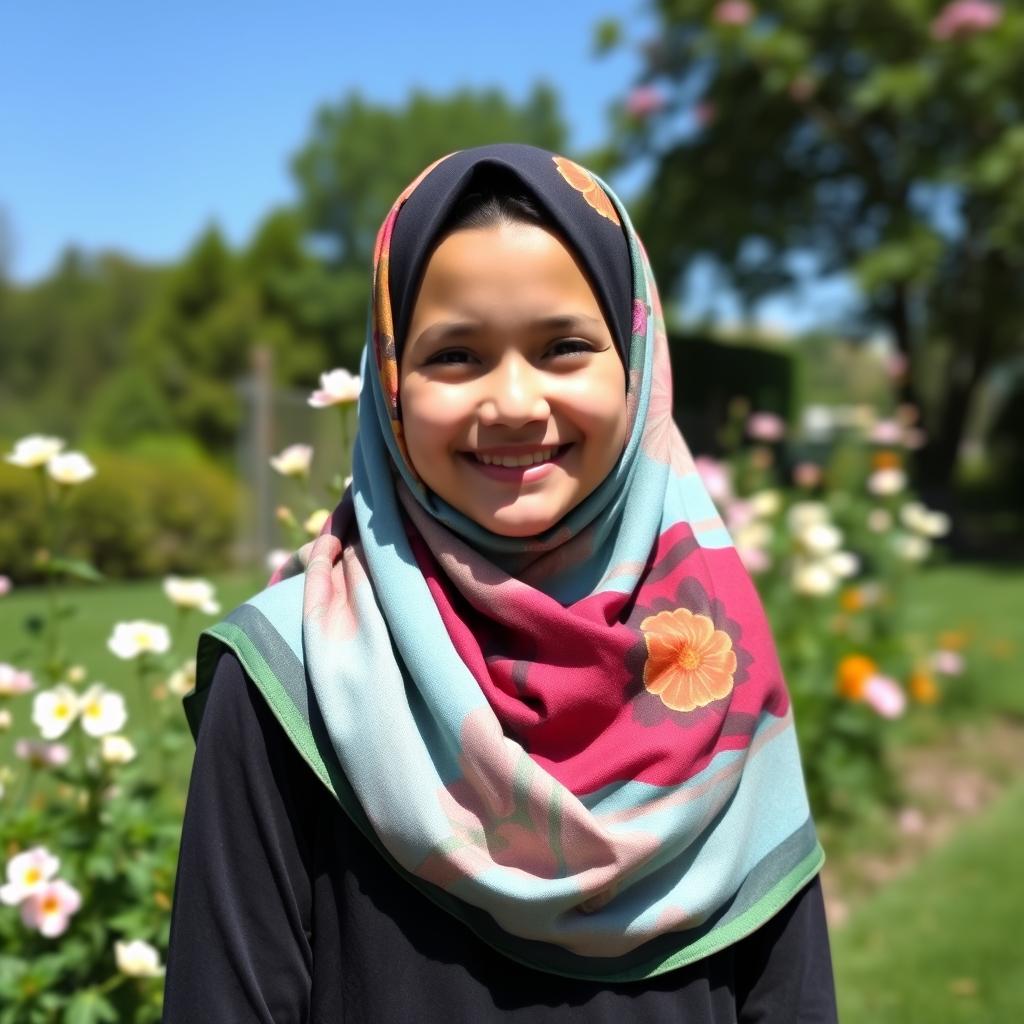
{"x": 580, "y": 743}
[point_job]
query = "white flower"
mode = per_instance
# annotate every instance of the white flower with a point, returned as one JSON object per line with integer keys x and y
{"x": 102, "y": 711}
{"x": 818, "y": 422}
{"x": 912, "y": 548}
{"x": 130, "y": 639}
{"x": 843, "y": 563}
{"x": 820, "y": 538}
{"x": 315, "y": 523}
{"x": 193, "y": 593}
{"x": 183, "y": 680}
{"x": 13, "y": 681}
{"x": 70, "y": 469}
{"x": 294, "y": 460}
{"x": 918, "y": 518}
{"x": 117, "y": 750}
{"x": 28, "y": 872}
{"x": 50, "y": 908}
{"x": 55, "y": 711}
{"x": 138, "y": 959}
{"x": 887, "y": 481}
{"x": 34, "y": 450}
{"x": 336, "y": 387}
{"x": 879, "y": 520}
{"x": 885, "y": 696}
{"x": 277, "y": 558}
{"x": 813, "y": 579}
{"x": 765, "y": 504}
{"x": 802, "y": 514}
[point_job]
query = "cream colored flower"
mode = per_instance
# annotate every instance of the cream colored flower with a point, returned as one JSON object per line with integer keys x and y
{"x": 70, "y": 468}
{"x": 194, "y": 593}
{"x": 5, "y": 719}
{"x": 102, "y": 711}
{"x": 802, "y": 514}
{"x": 336, "y": 388}
{"x": 76, "y": 674}
{"x": 813, "y": 579}
{"x": 183, "y": 680}
{"x": 843, "y": 564}
{"x": 294, "y": 460}
{"x": 820, "y": 538}
{"x": 27, "y": 873}
{"x": 54, "y": 711}
{"x": 138, "y": 959}
{"x": 887, "y": 481}
{"x": 765, "y": 504}
{"x": 34, "y": 450}
{"x": 117, "y": 750}
{"x": 130, "y": 639}
{"x": 912, "y": 548}
{"x": 315, "y": 523}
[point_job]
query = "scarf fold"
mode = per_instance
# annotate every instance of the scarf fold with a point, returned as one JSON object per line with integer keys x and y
{"x": 581, "y": 743}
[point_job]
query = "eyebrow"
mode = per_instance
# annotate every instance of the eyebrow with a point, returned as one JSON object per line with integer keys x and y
{"x": 461, "y": 328}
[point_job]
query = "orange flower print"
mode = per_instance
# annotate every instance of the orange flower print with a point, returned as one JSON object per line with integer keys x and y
{"x": 582, "y": 180}
{"x": 689, "y": 662}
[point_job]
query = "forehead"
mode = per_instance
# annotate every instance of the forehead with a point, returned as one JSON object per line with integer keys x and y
{"x": 510, "y": 265}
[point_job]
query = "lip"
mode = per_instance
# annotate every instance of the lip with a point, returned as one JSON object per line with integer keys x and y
{"x": 517, "y": 474}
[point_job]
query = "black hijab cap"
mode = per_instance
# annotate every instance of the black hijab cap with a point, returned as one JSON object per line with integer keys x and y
{"x": 598, "y": 241}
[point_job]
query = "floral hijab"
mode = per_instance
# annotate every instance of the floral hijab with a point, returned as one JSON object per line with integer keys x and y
{"x": 580, "y": 744}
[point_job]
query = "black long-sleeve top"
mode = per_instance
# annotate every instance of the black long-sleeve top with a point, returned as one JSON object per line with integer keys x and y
{"x": 284, "y": 913}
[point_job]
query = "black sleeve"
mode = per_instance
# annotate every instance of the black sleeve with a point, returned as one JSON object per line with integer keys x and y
{"x": 240, "y": 946}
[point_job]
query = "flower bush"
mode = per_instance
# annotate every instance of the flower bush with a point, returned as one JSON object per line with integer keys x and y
{"x": 824, "y": 520}
{"x": 90, "y": 836}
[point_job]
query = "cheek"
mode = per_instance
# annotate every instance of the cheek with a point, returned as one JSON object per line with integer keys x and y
{"x": 430, "y": 423}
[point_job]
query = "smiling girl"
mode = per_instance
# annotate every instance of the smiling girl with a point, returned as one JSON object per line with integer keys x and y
{"x": 509, "y": 740}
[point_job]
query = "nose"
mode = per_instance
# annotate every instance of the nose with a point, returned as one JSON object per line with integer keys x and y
{"x": 514, "y": 394}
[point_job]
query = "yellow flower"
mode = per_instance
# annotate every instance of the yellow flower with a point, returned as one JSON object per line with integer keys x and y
{"x": 689, "y": 662}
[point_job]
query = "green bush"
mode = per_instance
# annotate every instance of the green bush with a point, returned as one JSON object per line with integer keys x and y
{"x": 139, "y": 516}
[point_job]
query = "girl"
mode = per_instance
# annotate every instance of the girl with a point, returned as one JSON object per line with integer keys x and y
{"x": 509, "y": 740}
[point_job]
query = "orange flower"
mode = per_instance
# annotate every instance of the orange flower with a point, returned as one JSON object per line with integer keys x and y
{"x": 886, "y": 460}
{"x": 953, "y": 640}
{"x": 851, "y": 599}
{"x": 583, "y": 181}
{"x": 852, "y": 675}
{"x": 689, "y": 662}
{"x": 922, "y": 688}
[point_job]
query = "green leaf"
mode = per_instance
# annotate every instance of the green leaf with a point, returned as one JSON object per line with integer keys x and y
{"x": 89, "y": 1007}
{"x": 76, "y": 567}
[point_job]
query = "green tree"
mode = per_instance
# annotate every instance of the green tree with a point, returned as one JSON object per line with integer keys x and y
{"x": 883, "y": 137}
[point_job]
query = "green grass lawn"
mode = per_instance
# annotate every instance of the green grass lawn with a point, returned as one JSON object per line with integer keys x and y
{"x": 942, "y": 945}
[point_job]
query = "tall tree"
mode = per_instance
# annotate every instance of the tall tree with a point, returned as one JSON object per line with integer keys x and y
{"x": 883, "y": 137}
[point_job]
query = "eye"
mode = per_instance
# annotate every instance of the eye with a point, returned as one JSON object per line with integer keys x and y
{"x": 450, "y": 357}
{"x": 570, "y": 346}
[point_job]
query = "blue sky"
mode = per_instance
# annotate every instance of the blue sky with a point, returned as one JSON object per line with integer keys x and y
{"x": 132, "y": 125}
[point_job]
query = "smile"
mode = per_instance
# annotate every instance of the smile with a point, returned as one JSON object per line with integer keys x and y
{"x": 524, "y": 467}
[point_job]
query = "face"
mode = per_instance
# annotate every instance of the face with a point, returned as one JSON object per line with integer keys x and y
{"x": 513, "y": 395}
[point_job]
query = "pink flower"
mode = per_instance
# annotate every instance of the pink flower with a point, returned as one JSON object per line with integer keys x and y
{"x": 644, "y": 100}
{"x": 966, "y": 18}
{"x": 802, "y": 88}
{"x": 42, "y": 755}
{"x": 807, "y": 474}
{"x": 885, "y": 696}
{"x": 27, "y": 873}
{"x": 5, "y": 585}
{"x": 754, "y": 560}
{"x": 13, "y": 681}
{"x": 733, "y": 12}
{"x": 715, "y": 476}
{"x": 766, "y": 426}
{"x": 886, "y": 432}
{"x": 949, "y": 663}
{"x": 49, "y": 909}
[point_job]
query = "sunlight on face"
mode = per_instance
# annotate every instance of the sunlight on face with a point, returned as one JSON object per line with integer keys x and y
{"x": 512, "y": 392}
